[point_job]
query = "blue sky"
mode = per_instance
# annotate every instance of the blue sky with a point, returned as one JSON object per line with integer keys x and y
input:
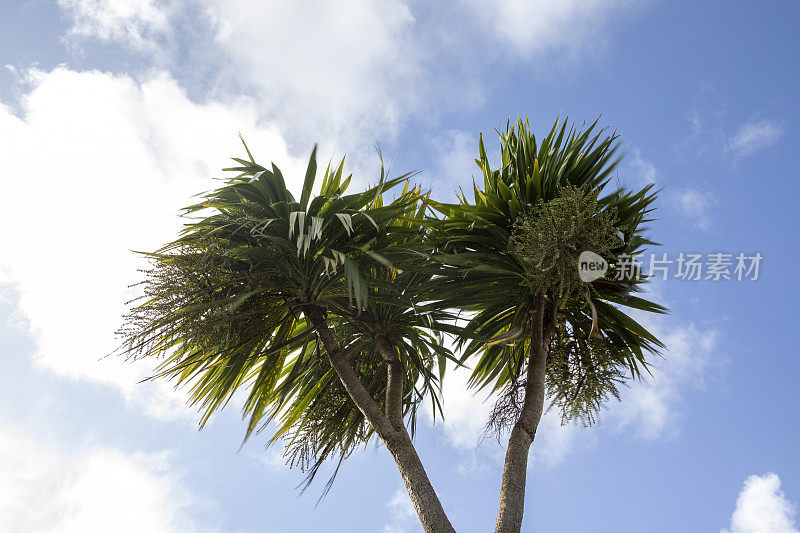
{"x": 114, "y": 112}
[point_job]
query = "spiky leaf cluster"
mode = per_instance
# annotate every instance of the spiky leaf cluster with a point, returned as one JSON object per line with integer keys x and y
{"x": 223, "y": 304}
{"x": 483, "y": 270}
{"x": 548, "y": 239}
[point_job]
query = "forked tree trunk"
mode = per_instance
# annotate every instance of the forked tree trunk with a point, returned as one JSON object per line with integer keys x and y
{"x": 389, "y": 427}
{"x": 512, "y": 487}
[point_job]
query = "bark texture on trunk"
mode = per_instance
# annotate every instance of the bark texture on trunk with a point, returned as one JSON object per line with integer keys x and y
{"x": 419, "y": 488}
{"x": 395, "y": 375}
{"x": 512, "y": 487}
{"x": 389, "y": 426}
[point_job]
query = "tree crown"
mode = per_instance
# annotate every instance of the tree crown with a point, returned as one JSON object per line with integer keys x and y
{"x": 224, "y": 305}
{"x": 518, "y": 239}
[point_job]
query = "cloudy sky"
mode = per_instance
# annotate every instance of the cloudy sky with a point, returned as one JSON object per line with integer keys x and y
{"x": 113, "y": 113}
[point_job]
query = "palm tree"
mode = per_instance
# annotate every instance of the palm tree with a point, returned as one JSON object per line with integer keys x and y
{"x": 509, "y": 258}
{"x": 260, "y": 285}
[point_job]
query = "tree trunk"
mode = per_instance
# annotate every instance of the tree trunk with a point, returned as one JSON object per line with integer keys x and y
{"x": 395, "y": 375}
{"x": 390, "y": 429}
{"x": 512, "y": 487}
{"x": 419, "y": 488}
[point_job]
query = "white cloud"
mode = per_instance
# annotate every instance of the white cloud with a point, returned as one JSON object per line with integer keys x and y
{"x": 753, "y": 136}
{"x": 762, "y": 508}
{"x": 455, "y": 153}
{"x": 132, "y": 22}
{"x": 571, "y": 27}
{"x": 344, "y": 74}
{"x": 466, "y": 412}
{"x": 556, "y": 440}
{"x": 695, "y": 206}
{"x": 710, "y": 135}
{"x": 272, "y": 459}
{"x": 44, "y": 489}
{"x": 403, "y": 516}
{"x": 345, "y": 70}
{"x": 649, "y": 409}
{"x": 351, "y": 72}
{"x": 643, "y": 172}
{"x": 96, "y": 166}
